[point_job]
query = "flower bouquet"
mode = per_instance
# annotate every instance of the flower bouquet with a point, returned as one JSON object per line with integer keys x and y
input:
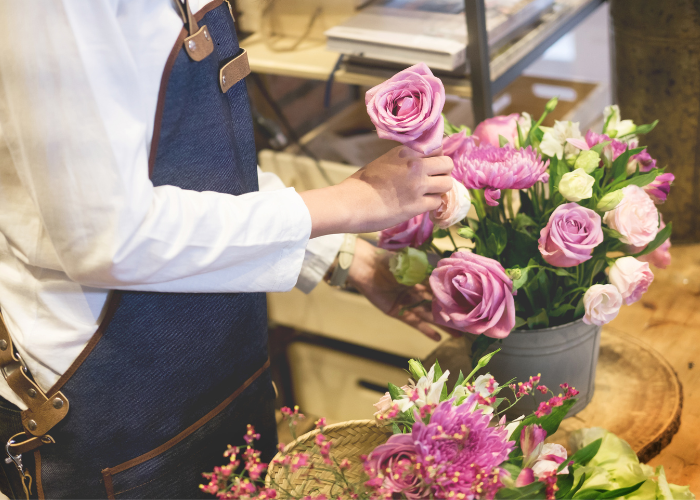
{"x": 565, "y": 225}
{"x": 430, "y": 442}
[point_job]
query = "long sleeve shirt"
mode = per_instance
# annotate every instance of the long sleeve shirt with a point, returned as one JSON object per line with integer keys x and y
{"x": 79, "y": 216}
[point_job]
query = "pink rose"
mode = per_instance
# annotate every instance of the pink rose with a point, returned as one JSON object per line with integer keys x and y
{"x": 570, "y": 236}
{"x": 601, "y": 303}
{"x": 631, "y": 278}
{"x": 659, "y": 188}
{"x": 635, "y": 217}
{"x": 408, "y": 108}
{"x": 454, "y": 207}
{"x": 661, "y": 257}
{"x": 412, "y": 233}
{"x": 392, "y": 466}
{"x": 488, "y": 131}
{"x": 473, "y": 294}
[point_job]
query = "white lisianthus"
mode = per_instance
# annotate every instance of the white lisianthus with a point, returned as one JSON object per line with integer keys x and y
{"x": 511, "y": 427}
{"x": 576, "y": 185}
{"x": 426, "y": 391}
{"x": 615, "y": 126}
{"x": 554, "y": 139}
{"x": 588, "y": 161}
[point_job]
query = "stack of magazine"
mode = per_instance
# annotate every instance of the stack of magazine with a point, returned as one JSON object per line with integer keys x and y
{"x": 433, "y": 31}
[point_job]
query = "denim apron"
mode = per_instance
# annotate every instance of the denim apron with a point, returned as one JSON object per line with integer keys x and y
{"x": 170, "y": 379}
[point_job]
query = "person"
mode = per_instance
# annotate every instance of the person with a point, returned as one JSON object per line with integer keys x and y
{"x": 136, "y": 247}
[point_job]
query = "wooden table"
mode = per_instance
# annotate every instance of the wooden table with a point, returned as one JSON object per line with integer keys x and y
{"x": 668, "y": 319}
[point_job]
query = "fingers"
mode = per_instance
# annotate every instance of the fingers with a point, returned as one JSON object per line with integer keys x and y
{"x": 439, "y": 165}
{"x": 411, "y": 319}
{"x": 438, "y": 184}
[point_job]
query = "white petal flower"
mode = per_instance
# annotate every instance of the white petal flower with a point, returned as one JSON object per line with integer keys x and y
{"x": 554, "y": 139}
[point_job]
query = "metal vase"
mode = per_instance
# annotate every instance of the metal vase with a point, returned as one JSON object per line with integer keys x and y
{"x": 562, "y": 354}
{"x": 657, "y": 76}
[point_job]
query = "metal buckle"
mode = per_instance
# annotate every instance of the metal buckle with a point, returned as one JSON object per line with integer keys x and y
{"x": 8, "y": 369}
{"x": 17, "y": 459}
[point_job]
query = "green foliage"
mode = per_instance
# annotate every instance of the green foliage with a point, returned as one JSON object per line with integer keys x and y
{"x": 584, "y": 455}
{"x": 394, "y": 391}
{"x": 453, "y": 129}
{"x": 479, "y": 356}
{"x": 550, "y": 423}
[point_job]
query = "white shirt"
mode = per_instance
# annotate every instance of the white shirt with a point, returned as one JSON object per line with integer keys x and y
{"x": 78, "y": 213}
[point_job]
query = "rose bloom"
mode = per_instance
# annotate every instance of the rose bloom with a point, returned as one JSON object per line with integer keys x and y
{"x": 455, "y": 206}
{"x": 473, "y": 294}
{"x": 631, "y": 277}
{"x": 488, "y": 131}
{"x": 570, "y": 235}
{"x": 412, "y": 233}
{"x": 635, "y": 218}
{"x": 408, "y": 108}
{"x": 492, "y": 168}
{"x": 383, "y": 405}
{"x": 601, "y": 303}
{"x": 394, "y": 463}
{"x": 661, "y": 257}
{"x": 659, "y": 188}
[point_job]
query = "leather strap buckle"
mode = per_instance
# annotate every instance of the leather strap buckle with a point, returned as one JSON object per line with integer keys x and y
{"x": 42, "y": 412}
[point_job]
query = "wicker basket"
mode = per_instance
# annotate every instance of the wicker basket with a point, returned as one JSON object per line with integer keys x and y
{"x": 350, "y": 440}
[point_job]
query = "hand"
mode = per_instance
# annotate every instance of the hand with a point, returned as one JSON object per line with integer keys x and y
{"x": 370, "y": 275}
{"x": 392, "y": 189}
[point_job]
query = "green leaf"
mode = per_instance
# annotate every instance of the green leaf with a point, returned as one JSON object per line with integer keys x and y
{"x": 395, "y": 392}
{"x": 522, "y": 280}
{"x": 640, "y": 180}
{"x": 502, "y": 141}
{"x": 564, "y": 482}
{"x": 539, "y": 320}
{"x": 598, "y": 148}
{"x": 580, "y": 309}
{"x": 578, "y": 486}
{"x": 561, "y": 310}
{"x": 611, "y": 233}
{"x": 498, "y": 237}
{"x": 621, "y": 492}
{"x": 521, "y": 136}
{"x": 522, "y": 222}
{"x": 588, "y": 494}
{"x": 661, "y": 236}
{"x": 645, "y": 129}
{"x": 619, "y": 166}
{"x": 550, "y": 423}
{"x": 440, "y": 233}
{"x": 453, "y": 129}
{"x": 519, "y": 322}
{"x": 395, "y": 428}
{"x": 532, "y": 490}
{"x": 438, "y": 371}
{"x": 584, "y": 455}
{"x": 560, "y": 271}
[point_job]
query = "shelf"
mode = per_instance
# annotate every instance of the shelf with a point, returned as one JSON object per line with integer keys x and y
{"x": 311, "y": 59}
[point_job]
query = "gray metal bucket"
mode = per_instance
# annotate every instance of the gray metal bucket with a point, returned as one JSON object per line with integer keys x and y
{"x": 562, "y": 354}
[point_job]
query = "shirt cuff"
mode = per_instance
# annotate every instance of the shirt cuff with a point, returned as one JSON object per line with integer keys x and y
{"x": 320, "y": 254}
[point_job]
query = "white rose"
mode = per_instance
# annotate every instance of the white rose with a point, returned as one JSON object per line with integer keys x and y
{"x": 576, "y": 185}
{"x": 602, "y": 303}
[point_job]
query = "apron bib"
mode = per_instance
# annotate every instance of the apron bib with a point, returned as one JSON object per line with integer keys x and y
{"x": 170, "y": 379}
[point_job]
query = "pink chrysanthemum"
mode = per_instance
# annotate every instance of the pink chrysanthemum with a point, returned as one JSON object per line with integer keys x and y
{"x": 492, "y": 169}
{"x": 460, "y": 453}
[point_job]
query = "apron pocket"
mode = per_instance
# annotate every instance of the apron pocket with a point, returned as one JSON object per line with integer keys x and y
{"x": 174, "y": 469}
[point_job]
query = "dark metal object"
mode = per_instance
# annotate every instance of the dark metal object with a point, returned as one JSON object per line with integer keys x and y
{"x": 479, "y": 59}
{"x": 483, "y": 87}
{"x": 657, "y": 53}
